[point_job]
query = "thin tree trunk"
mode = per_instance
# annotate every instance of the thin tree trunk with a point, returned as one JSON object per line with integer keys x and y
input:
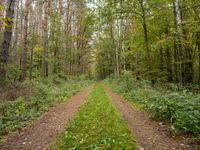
{"x": 68, "y": 20}
{"x": 25, "y": 43}
{"x": 146, "y": 40}
{"x": 113, "y": 49}
{"x": 31, "y": 52}
{"x": 197, "y": 19}
{"x": 60, "y": 9}
{"x": 45, "y": 36}
{"x": 178, "y": 48}
{"x": 15, "y": 41}
{"x": 6, "y": 41}
{"x": 168, "y": 58}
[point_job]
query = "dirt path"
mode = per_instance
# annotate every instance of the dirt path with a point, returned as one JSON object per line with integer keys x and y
{"x": 149, "y": 134}
{"x": 40, "y": 134}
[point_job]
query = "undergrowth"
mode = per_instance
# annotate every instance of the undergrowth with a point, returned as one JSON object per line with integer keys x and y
{"x": 178, "y": 106}
{"x": 97, "y": 125}
{"x": 15, "y": 114}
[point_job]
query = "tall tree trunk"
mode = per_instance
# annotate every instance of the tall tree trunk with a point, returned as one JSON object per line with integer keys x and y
{"x": 122, "y": 34}
{"x": 187, "y": 50}
{"x": 25, "y": 43}
{"x": 38, "y": 12}
{"x": 146, "y": 40}
{"x": 68, "y": 20}
{"x": 178, "y": 47}
{"x": 161, "y": 60}
{"x": 31, "y": 52}
{"x": 113, "y": 49}
{"x": 15, "y": 41}
{"x": 7, "y": 35}
{"x": 60, "y": 9}
{"x": 168, "y": 58}
{"x": 45, "y": 38}
{"x": 197, "y": 20}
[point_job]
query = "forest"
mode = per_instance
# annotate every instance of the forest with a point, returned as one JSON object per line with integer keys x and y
{"x": 113, "y": 64}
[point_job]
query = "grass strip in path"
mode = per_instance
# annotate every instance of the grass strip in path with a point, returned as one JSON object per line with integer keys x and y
{"x": 97, "y": 125}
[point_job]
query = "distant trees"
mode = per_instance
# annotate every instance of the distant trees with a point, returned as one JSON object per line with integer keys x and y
{"x": 48, "y": 37}
{"x": 160, "y": 39}
{"x": 156, "y": 40}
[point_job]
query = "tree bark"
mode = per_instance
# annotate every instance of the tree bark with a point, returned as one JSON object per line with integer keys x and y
{"x": 178, "y": 47}
{"x": 15, "y": 41}
{"x": 146, "y": 40}
{"x": 197, "y": 20}
{"x": 60, "y": 9}
{"x": 45, "y": 38}
{"x": 25, "y": 43}
{"x": 7, "y": 35}
{"x": 31, "y": 52}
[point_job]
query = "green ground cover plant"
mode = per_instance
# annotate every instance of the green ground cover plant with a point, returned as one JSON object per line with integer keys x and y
{"x": 14, "y": 114}
{"x": 180, "y": 107}
{"x": 97, "y": 125}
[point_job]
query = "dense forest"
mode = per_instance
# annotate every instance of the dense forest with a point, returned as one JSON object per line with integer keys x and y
{"x": 156, "y": 40}
{"x": 147, "y": 51}
{"x": 44, "y": 38}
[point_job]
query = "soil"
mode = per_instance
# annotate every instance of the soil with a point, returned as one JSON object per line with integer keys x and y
{"x": 43, "y": 131}
{"x": 149, "y": 134}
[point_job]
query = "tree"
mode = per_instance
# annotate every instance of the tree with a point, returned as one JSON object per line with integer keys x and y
{"x": 7, "y": 35}
{"x": 16, "y": 35}
{"x": 158, "y": 39}
{"x": 25, "y": 46}
{"x": 45, "y": 38}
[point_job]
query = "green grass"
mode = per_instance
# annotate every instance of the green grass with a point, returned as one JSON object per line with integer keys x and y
{"x": 15, "y": 114}
{"x": 97, "y": 125}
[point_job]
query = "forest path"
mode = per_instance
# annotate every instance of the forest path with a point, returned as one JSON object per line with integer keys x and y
{"x": 149, "y": 135}
{"x": 40, "y": 134}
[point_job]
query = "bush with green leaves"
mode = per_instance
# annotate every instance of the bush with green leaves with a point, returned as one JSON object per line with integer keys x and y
{"x": 179, "y": 106}
{"x": 14, "y": 114}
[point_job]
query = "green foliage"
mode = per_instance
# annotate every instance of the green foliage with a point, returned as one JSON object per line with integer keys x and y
{"x": 97, "y": 125}
{"x": 37, "y": 51}
{"x": 180, "y": 107}
{"x": 1, "y": 18}
{"x": 13, "y": 72}
{"x": 14, "y": 114}
{"x": 148, "y": 39}
{"x": 1, "y": 7}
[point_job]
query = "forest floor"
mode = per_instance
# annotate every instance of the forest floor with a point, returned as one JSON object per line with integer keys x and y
{"x": 149, "y": 134}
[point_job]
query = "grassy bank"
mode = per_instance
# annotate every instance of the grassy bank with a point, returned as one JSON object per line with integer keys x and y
{"x": 14, "y": 114}
{"x": 180, "y": 107}
{"x": 97, "y": 125}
